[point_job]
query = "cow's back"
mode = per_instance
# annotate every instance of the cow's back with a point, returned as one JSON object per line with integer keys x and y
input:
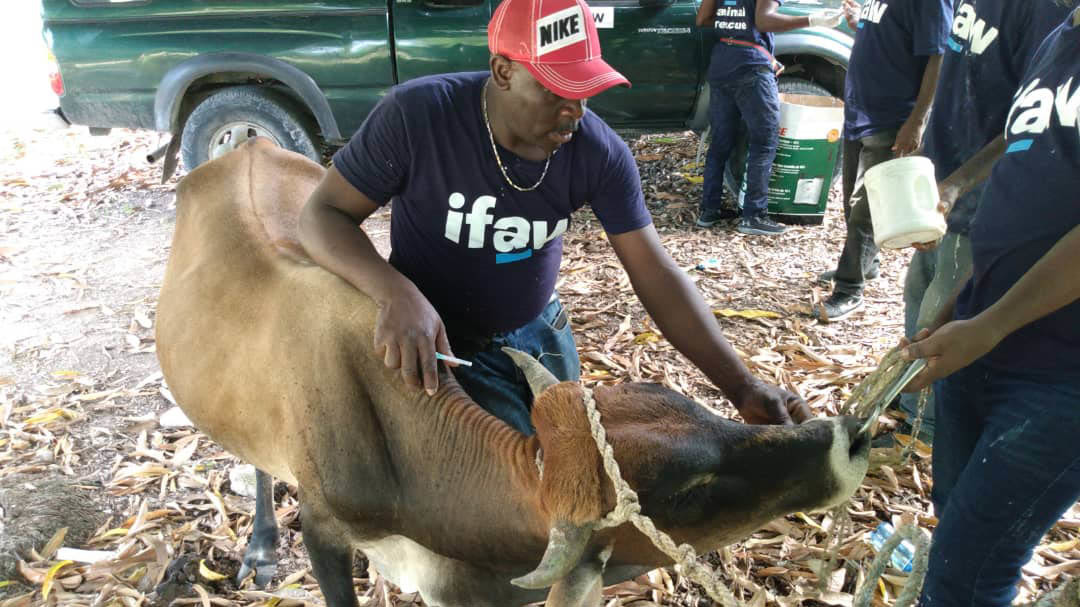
{"x": 251, "y": 334}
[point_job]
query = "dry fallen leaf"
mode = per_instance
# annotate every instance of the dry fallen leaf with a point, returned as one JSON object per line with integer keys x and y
{"x": 209, "y": 574}
{"x": 46, "y": 585}
{"x": 751, "y": 314}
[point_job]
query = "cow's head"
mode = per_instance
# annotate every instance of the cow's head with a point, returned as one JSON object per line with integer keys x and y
{"x": 703, "y": 479}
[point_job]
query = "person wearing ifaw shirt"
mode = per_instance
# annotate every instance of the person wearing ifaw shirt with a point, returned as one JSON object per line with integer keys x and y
{"x": 990, "y": 45}
{"x": 484, "y": 171}
{"x": 742, "y": 91}
{"x": 890, "y": 85}
{"x": 1009, "y": 402}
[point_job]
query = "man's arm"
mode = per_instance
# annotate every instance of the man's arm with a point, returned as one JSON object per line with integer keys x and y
{"x": 768, "y": 19}
{"x": 686, "y": 321}
{"x": 970, "y": 174}
{"x": 408, "y": 330}
{"x": 1043, "y": 289}
{"x": 909, "y": 137}
{"x": 330, "y": 232}
{"x": 706, "y": 14}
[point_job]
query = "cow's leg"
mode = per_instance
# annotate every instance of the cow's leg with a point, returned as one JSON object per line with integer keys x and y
{"x": 261, "y": 553}
{"x": 331, "y": 555}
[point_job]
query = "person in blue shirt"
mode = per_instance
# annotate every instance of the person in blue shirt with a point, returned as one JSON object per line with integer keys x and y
{"x": 990, "y": 45}
{"x": 484, "y": 171}
{"x": 1008, "y": 359}
{"x": 742, "y": 91}
{"x": 891, "y": 80}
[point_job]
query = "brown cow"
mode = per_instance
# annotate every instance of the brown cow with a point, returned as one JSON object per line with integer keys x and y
{"x": 272, "y": 356}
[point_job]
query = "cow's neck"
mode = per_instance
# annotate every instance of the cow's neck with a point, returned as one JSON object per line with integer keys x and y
{"x": 484, "y": 479}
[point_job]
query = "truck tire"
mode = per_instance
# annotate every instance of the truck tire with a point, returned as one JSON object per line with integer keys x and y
{"x": 232, "y": 115}
{"x": 799, "y": 86}
{"x": 736, "y": 164}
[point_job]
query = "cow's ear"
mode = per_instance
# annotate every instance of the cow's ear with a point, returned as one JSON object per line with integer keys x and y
{"x": 574, "y": 488}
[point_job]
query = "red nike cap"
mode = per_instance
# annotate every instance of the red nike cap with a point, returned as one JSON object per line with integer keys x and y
{"x": 556, "y": 41}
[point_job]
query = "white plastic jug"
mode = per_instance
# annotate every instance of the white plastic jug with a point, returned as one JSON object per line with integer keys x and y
{"x": 903, "y": 197}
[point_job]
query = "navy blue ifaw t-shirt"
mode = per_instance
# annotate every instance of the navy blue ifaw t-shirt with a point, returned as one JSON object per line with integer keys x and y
{"x": 735, "y": 19}
{"x": 991, "y": 43}
{"x": 894, "y": 40}
{"x": 1031, "y": 201}
{"x": 485, "y": 255}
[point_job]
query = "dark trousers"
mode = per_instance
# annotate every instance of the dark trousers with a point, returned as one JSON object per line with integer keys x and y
{"x": 1006, "y": 465}
{"x": 860, "y": 252}
{"x": 495, "y": 382}
{"x": 750, "y": 98}
{"x": 932, "y": 279}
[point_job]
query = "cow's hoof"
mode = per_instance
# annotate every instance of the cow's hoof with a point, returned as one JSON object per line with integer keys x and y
{"x": 264, "y": 568}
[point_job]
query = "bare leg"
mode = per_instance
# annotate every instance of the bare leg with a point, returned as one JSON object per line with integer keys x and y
{"x": 261, "y": 553}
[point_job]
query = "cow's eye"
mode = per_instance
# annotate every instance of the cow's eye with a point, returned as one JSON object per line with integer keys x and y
{"x": 691, "y": 501}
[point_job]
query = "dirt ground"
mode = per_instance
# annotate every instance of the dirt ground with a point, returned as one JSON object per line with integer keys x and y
{"x": 84, "y": 236}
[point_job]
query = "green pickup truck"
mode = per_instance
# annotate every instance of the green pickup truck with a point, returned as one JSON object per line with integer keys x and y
{"x": 306, "y": 73}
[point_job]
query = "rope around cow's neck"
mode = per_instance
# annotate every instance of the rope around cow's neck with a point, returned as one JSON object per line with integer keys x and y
{"x": 628, "y": 508}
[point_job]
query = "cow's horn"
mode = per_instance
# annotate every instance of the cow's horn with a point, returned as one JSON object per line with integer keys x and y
{"x": 539, "y": 377}
{"x": 566, "y": 544}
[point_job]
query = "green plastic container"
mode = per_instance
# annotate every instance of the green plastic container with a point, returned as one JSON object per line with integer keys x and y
{"x": 810, "y": 127}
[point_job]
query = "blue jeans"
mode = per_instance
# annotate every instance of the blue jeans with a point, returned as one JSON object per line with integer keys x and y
{"x": 1006, "y": 465}
{"x": 932, "y": 279}
{"x": 495, "y": 382}
{"x": 860, "y": 250}
{"x": 751, "y": 98}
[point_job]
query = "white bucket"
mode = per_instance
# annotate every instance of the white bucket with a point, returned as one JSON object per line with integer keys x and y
{"x": 903, "y": 197}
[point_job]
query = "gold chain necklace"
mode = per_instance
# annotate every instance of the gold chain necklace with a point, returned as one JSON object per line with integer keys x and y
{"x": 494, "y": 150}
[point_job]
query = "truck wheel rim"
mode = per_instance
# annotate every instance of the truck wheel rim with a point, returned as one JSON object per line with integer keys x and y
{"x": 230, "y": 135}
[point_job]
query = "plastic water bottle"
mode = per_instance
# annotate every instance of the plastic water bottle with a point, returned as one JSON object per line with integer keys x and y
{"x": 709, "y": 265}
{"x": 903, "y": 554}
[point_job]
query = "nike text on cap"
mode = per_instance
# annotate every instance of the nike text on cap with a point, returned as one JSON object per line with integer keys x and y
{"x": 556, "y": 41}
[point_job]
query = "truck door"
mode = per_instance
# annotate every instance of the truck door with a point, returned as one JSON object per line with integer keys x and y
{"x": 440, "y": 36}
{"x": 655, "y": 44}
{"x": 652, "y": 42}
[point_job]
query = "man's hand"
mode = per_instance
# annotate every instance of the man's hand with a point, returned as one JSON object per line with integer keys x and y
{"x": 408, "y": 332}
{"x": 948, "y": 349}
{"x": 851, "y": 13}
{"x": 948, "y": 192}
{"x": 909, "y": 137}
{"x": 947, "y": 195}
{"x": 763, "y": 403}
{"x": 826, "y": 18}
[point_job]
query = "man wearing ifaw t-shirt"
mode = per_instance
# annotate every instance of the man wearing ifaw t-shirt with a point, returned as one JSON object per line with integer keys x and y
{"x": 890, "y": 85}
{"x": 991, "y": 43}
{"x": 1007, "y": 459}
{"x": 742, "y": 91}
{"x": 484, "y": 170}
